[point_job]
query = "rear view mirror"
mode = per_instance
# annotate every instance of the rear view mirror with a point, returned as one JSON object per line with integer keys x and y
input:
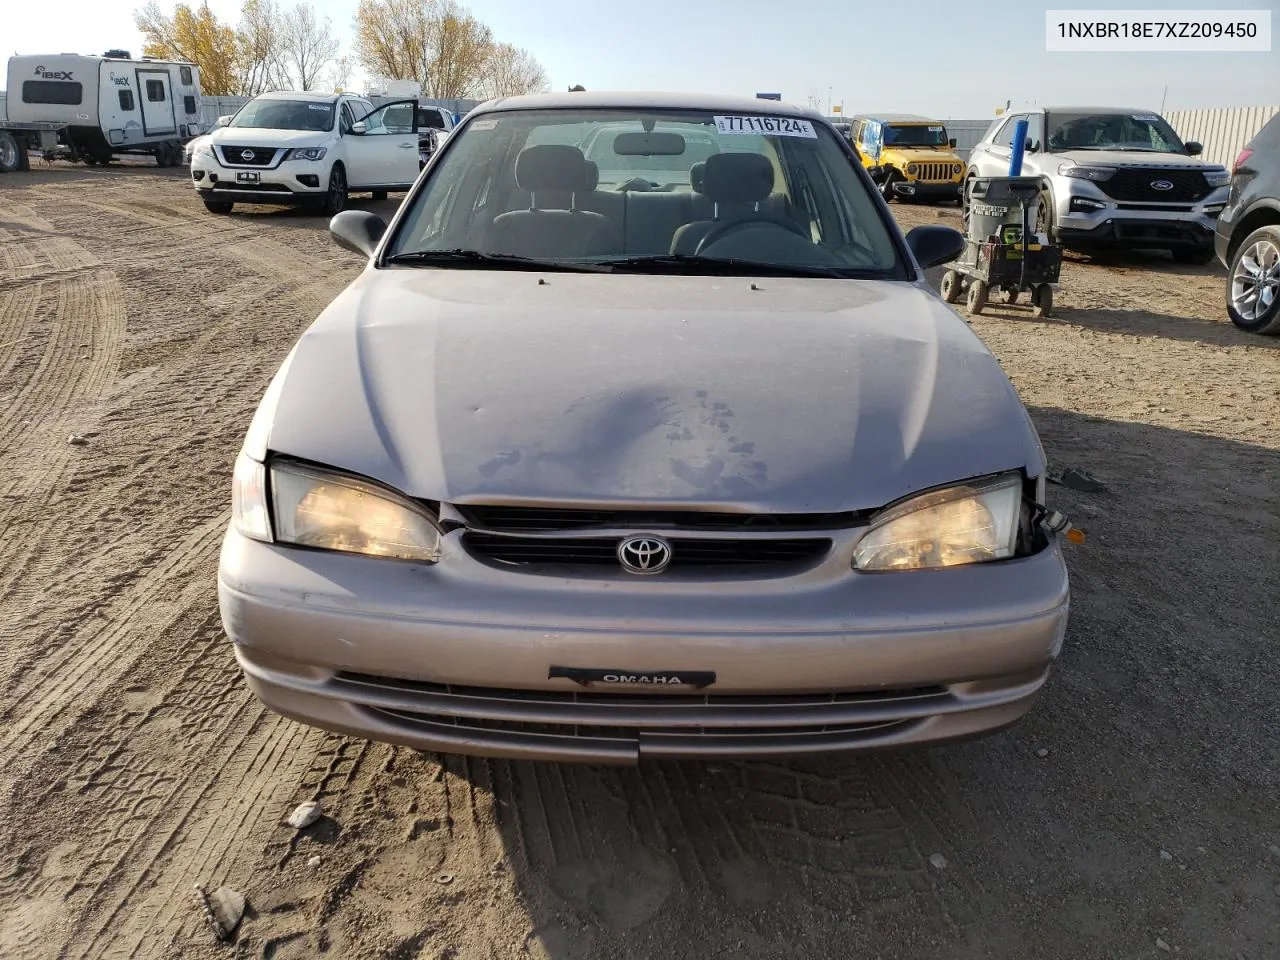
{"x": 933, "y": 245}
{"x": 358, "y": 231}
{"x": 1194, "y": 149}
{"x": 648, "y": 145}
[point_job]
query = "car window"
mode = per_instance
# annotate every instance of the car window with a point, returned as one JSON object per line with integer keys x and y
{"x": 348, "y": 116}
{"x": 430, "y": 118}
{"x": 1112, "y": 131}
{"x": 784, "y": 193}
{"x": 915, "y": 135}
{"x": 276, "y": 114}
{"x": 1005, "y": 136}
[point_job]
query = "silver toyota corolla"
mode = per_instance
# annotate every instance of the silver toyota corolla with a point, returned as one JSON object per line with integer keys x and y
{"x": 643, "y": 456}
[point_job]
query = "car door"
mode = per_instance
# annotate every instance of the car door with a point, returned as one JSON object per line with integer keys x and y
{"x": 382, "y": 146}
{"x": 999, "y": 151}
{"x": 1033, "y": 160}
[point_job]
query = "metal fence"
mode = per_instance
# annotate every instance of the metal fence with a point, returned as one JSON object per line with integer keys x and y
{"x": 1224, "y": 130}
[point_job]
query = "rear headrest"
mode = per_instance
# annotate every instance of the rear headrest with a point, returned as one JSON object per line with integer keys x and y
{"x": 593, "y": 174}
{"x": 738, "y": 177}
{"x": 552, "y": 166}
{"x": 698, "y": 176}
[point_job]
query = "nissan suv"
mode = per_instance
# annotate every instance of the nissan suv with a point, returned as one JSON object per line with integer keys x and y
{"x": 1111, "y": 177}
{"x": 1248, "y": 235}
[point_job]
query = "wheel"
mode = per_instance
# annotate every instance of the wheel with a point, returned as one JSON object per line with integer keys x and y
{"x": 886, "y": 186}
{"x": 950, "y": 286}
{"x": 1194, "y": 256}
{"x": 335, "y": 201}
{"x": 379, "y": 195}
{"x": 218, "y": 206}
{"x": 976, "y": 301}
{"x": 8, "y": 152}
{"x": 1253, "y": 282}
{"x": 162, "y": 155}
{"x": 1009, "y": 294}
{"x": 1042, "y": 300}
{"x": 964, "y": 204}
{"x": 1044, "y": 216}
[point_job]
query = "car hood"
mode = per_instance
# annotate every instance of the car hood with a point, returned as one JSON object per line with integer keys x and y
{"x": 923, "y": 154}
{"x": 778, "y": 395}
{"x": 1134, "y": 158}
{"x": 258, "y": 137}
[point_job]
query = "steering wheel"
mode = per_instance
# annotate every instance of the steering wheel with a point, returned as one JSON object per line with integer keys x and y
{"x": 716, "y": 234}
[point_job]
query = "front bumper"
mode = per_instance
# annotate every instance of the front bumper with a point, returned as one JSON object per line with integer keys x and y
{"x": 1085, "y": 215}
{"x": 456, "y": 657}
{"x": 291, "y": 182}
{"x": 1140, "y": 233}
{"x": 927, "y": 191}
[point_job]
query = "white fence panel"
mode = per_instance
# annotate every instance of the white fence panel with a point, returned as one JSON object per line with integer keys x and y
{"x": 1223, "y": 130}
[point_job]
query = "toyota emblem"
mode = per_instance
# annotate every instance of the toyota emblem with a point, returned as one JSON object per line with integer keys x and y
{"x": 249, "y": 155}
{"x": 1161, "y": 185}
{"x": 643, "y": 555}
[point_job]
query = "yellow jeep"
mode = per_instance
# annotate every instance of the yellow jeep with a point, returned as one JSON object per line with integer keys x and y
{"x": 914, "y": 155}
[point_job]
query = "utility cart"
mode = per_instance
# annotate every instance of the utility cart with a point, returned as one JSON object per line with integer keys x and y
{"x": 1002, "y": 254}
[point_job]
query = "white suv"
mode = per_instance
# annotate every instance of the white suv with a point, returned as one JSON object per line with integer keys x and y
{"x": 307, "y": 148}
{"x": 1111, "y": 176}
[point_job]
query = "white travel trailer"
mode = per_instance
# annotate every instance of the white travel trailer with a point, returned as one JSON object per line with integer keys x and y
{"x": 90, "y": 108}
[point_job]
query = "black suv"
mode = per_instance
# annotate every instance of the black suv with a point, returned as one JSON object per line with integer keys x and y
{"x": 1247, "y": 239}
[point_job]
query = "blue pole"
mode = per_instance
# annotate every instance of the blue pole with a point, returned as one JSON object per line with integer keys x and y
{"x": 1019, "y": 146}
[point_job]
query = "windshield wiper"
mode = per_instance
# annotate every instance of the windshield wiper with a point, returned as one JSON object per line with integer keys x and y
{"x": 488, "y": 261}
{"x": 718, "y": 267}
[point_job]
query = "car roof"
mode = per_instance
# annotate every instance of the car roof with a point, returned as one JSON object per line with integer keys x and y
{"x": 646, "y": 101}
{"x": 1106, "y": 111}
{"x": 896, "y": 118}
{"x": 301, "y": 95}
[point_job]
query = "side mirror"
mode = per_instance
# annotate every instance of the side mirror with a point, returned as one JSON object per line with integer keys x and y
{"x": 933, "y": 245}
{"x": 1194, "y": 149}
{"x": 1030, "y": 146}
{"x": 952, "y": 143}
{"x": 359, "y": 128}
{"x": 358, "y": 231}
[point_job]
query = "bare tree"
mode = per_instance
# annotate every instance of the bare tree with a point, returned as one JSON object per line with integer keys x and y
{"x": 340, "y": 73}
{"x": 462, "y": 48}
{"x": 511, "y": 71}
{"x": 258, "y": 46}
{"x": 307, "y": 45}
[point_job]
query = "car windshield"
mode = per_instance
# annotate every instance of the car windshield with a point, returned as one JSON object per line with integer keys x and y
{"x": 915, "y": 135}
{"x": 430, "y": 118}
{"x": 675, "y": 191}
{"x": 1112, "y": 131}
{"x": 273, "y": 114}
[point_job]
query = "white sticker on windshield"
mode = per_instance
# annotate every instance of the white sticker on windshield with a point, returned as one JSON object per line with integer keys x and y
{"x": 484, "y": 124}
{"x": 935, "y": 129}
{"x": 1148, "y": 117}
{"x": 318, "y": 106}
{"x": 769, "y": 126}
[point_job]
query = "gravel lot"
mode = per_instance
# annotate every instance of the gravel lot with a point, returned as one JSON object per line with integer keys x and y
{"x": 136, "y": 763}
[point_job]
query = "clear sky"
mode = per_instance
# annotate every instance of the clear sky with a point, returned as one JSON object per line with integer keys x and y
{"x": 953, "y": 59}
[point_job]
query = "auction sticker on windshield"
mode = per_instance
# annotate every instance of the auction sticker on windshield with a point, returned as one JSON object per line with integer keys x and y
{"x": 772, "y": 126}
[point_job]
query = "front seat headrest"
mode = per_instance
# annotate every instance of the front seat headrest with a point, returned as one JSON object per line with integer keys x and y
{"x": 736, "y": 178}
{"x": 593, "y": 174}
{"x": 552, "y": 166}
{"x": 698, "y": 176}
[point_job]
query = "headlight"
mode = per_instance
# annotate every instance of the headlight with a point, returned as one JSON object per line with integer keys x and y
{"x": 956, "y": 167}
{"x": 911, "y": 169}
{"x": 1218, "y": 177}
{"x": 969, "y": 523}
{"x": 306, "y": 153}
{"x": 329, "y": 511}
{"x": 1086, "y": 173}
{"x": 249, "y": 499}
{"x": 203, "y": 150}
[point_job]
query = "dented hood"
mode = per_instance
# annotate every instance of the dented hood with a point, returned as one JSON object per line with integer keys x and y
{"x": 778, "y": 395}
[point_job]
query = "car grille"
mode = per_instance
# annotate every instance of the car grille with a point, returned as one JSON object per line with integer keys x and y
{"x": 541, "y": 519}
{"x": 252, "y": 187}
{"x": 933, "y": 171}
{"x": 1189, "y": 186}
{"x": 235, "y": 156}
{"x": 686, "y": 552}
{"x": 664, "y": 722}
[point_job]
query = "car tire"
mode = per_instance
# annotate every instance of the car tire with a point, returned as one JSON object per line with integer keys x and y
{"x": 976, "y": 299}
{"x": 218, "y": 206}
{"x": 1252, "y": 277}
{"x": 1044, "y": 219}
{"x": 9, "y": 159}
{"x": 950, "y": 286}
{"x": 1009, "y": 295}
{"x": 379, "y": 196}
{"x": 1042, "y": 300}
{"x": 335, "y": 200}
{"x": 1194, "y": 256}
{"x": 886, "y": 187}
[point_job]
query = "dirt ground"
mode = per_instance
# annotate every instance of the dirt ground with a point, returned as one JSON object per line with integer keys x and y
{"x": 136, "y": 763}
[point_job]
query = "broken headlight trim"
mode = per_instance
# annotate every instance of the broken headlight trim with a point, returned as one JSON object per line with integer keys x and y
{"x": 968, "y": 523}
{"x": 328, "y": 510}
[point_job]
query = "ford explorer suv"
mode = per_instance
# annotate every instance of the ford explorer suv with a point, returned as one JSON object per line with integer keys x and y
{"x": 307, "y": 149}
{"x": 1113, "y": 177}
